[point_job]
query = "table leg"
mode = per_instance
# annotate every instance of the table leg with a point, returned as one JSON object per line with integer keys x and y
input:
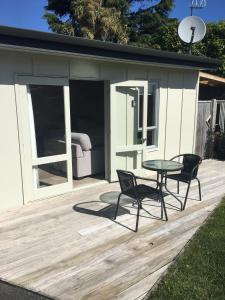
{"x": 163, "y": 207}
{"x": 158, "y": 185}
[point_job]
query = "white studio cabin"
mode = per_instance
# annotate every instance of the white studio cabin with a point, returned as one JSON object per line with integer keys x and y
{"x": 72, "y": 111}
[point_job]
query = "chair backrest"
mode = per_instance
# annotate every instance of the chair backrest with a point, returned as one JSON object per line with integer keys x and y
{"x": 191, "y": 164}
{"x": 127, "y": 180}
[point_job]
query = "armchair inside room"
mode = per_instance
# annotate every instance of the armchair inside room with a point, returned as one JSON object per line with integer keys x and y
{"x": 87, "y": 157}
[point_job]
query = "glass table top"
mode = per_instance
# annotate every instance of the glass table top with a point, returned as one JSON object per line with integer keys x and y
{"x": 162, "y": 165}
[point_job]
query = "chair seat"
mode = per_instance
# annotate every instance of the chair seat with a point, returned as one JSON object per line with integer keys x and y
{"x": 143, "y": 191}
{"x": 180, "y": 177}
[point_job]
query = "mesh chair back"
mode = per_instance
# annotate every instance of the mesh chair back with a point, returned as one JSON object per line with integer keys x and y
{"x": 127, "y": 180}
{"x": 191, "y": 163}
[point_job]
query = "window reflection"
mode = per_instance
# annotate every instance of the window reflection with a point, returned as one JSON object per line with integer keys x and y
{"x": 152, "y": 128}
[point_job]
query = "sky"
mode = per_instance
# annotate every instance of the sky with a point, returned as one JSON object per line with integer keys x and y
{"x": 28, "y": 14}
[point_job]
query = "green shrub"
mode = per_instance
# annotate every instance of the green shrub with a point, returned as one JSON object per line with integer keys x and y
{"x": 215, "y": 145}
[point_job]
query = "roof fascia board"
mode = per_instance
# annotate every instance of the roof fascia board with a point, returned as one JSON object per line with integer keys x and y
{"x": 102, "y": 58}
{"x": 54, "y": 42}
{"x": 30, "y": 36}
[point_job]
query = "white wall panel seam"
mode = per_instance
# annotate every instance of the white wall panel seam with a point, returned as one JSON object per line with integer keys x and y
{"x": 19, "y": 141}
{"x": 181, "y": 118}
{"x": 167, "y": 96}
{"x": 196, "y": 113}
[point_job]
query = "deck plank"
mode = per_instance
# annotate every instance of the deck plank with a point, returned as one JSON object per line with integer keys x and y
{"x": 67, "y": 247}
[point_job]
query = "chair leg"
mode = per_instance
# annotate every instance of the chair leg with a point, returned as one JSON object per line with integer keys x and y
{"x": 185, "y": 201}
{"x": 163, "y": 209}
{"x": 178, "y": 186}
{"x": 199, "y": 189}
{"x": 165, "y": 180}
{"x": 117, "y": 206}
{"x": 138, "y": 213}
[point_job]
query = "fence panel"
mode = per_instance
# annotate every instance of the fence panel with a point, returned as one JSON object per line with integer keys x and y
{"x": 210, "y": 114}
{"x": 203, "y": 124}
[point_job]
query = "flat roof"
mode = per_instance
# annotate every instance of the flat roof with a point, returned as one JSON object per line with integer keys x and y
{"x": 31, "y": 39}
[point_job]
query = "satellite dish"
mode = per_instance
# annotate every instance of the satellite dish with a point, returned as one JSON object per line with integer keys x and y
{"x": 192, "y": 29}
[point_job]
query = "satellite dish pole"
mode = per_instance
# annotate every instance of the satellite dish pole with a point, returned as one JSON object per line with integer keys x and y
{"x": 192, "y": 39}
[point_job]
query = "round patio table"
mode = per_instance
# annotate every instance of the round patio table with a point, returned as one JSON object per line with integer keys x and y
{"x": 162, "y": 167}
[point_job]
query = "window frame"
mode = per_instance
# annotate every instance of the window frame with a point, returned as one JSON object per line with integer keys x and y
{"x": 154, "y": 128}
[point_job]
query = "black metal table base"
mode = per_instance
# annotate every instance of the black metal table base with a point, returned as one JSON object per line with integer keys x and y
{"x": 162, "y": 183}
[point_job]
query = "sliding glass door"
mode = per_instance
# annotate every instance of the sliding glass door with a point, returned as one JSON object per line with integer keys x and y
{"x": 45, "y": 135}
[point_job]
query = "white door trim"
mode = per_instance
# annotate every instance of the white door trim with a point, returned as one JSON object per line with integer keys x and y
{"x": 139, "y": 149}
{"x": 27, "y": 161}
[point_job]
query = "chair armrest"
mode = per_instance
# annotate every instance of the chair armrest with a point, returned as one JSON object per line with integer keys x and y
{"x": 195, "y": 167}
{"x": 180, "y": 155}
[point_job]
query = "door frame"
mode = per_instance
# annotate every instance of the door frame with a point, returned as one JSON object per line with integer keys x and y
{"x": 107, "y": 129}
{"x": 27, "y": 162}
{"x": 138, "y": 148}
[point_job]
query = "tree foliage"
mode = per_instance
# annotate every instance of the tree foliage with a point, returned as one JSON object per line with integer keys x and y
{"x": 93, "y": 19}
{"x": 213, "y": 45}
{"x": 107, "y": 20}
{"x": 148, "y": 20}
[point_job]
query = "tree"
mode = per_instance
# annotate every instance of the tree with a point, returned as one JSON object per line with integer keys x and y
{"x": 147, "y": 21}
{"x": 107, "y": 20}
{"x": 93, "y": 19}
{"x": 213, "y": 45}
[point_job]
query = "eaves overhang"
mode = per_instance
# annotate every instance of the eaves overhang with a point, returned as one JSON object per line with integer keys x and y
{"x": 31, "y": 39}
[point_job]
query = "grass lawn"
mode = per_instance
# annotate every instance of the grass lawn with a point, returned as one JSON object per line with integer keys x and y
{"x": 199, "y": 272}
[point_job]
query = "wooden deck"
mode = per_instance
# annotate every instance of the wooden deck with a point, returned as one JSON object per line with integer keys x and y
{"x": 68, "y": 248}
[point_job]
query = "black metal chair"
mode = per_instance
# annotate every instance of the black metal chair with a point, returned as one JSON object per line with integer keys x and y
{"x": 189, "y": 172}
{"x": 138, "y": 192}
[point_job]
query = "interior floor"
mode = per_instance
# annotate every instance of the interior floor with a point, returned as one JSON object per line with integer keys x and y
{"x": 88, "y": 180}
{"x": 53, "y": 178}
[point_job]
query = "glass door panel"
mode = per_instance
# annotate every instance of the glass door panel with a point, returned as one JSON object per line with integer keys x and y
{"x": 49, "y": 174}
{"x": 47, "y": 119}
{"x": 44, "y": 115}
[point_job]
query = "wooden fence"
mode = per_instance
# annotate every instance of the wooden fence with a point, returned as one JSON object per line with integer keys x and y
{"x": 211, "y": 116}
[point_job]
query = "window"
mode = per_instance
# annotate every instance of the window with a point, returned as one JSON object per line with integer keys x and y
{"x": 152, "y": 114}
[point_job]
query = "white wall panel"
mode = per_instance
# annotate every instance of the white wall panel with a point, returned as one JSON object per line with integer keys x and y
{"x": 137, "y": 73}
{"x": 114, "y": 72}
{"x": 173, "y": 118}
{"x": 188, "y": 112}
{"x": 80, "y": 68}
{"x": 50, "y": 66}
{"x": 10, "y": 176}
